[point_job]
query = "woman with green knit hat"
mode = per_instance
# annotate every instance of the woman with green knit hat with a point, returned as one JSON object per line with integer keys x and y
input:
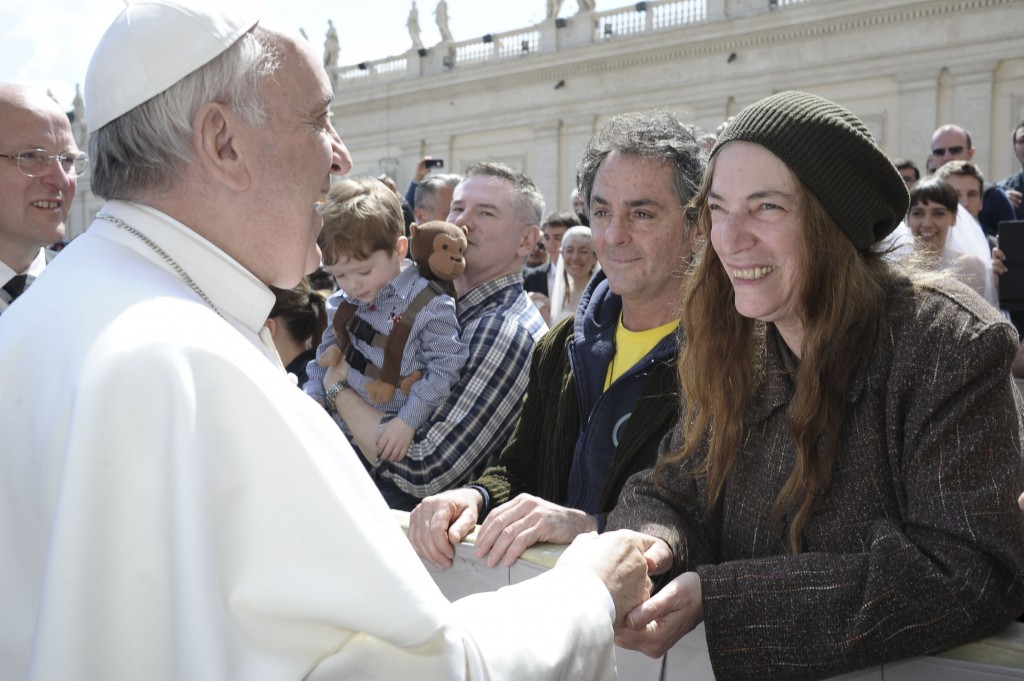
{"x": 841, "y": 491}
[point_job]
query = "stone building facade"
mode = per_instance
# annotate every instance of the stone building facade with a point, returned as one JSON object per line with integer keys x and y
{"x": 532, "y": 97}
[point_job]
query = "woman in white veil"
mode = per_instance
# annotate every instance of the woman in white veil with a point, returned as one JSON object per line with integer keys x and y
{"x": 969, "y": 239}
{"x": 956, "y": 239}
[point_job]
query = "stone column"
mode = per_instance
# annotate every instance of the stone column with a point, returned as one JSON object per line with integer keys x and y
{"x": 544, "y": 167}
{"x": 1007, "y": 111}
{"x": 710, "y": 113}
{"x": 576, "y": 133}
{"x": 409, "y": 154}
{"x": 972, "y": 109}
{"x": 918, "y": 107}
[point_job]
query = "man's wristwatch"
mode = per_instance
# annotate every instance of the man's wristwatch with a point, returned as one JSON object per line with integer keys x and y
{"x": 332, "y": 394}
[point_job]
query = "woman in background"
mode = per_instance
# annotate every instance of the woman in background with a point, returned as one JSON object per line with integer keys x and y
{"x": 933, "y": 209}
{"x": 575, "y": 267}
{"x": 296, "y": 323}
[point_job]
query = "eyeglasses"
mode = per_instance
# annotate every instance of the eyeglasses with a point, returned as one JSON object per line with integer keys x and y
{"x": 953, "y": 151}
{"x": 909, "y": 179}
{"x": 34, "y": 162}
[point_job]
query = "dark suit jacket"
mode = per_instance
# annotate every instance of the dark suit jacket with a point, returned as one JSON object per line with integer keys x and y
{"x": 535, "y": 279}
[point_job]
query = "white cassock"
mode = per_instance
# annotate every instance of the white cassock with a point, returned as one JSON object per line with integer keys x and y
{"x": 173, "y": 507}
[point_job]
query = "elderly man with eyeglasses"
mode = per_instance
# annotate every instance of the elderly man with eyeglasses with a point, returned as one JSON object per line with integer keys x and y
{"x": 36, "y": 192}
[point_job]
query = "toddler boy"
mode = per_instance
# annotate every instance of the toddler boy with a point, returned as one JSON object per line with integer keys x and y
{"x": 364, "y": 247}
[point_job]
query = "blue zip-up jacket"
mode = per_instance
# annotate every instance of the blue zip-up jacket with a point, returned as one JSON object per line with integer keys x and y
{"x": 576, "y": 444}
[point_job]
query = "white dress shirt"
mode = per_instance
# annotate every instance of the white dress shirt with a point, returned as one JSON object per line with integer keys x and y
{"x": 36, "y": 268}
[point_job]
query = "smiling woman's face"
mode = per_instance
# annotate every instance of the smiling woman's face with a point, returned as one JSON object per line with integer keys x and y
{"x": 930, "y": 222}
{"x": 757, "y": 231}
{"x": 580, "y": 257}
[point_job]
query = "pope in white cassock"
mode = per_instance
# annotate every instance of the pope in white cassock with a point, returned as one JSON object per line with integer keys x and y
{"x": 171, "y": 505}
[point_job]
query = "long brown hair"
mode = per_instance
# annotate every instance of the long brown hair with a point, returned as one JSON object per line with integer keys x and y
{"x": 843, "y": 304}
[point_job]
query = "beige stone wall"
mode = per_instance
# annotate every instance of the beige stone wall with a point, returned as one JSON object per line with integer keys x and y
{"x": 532, "y": 96}
{"x": 904, "y": 67}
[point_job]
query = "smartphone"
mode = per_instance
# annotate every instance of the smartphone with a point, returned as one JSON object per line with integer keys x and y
{"x": 1011, "y": 284}
{"x": 435, "y": 163}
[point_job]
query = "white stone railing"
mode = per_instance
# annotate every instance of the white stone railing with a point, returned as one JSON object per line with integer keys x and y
{"x": 583, "y": 28}
{"x": 991, "y": 659}
{"x": 370, "y": 72}
{"x": 498, "y": 46}
{"x": 645, "y": 17}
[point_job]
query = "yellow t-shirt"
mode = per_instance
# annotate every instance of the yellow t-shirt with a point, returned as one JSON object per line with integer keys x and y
{"x": 631, "y": 346}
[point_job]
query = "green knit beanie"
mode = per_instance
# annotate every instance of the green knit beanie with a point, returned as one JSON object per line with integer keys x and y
{"x": 833, "y": 154}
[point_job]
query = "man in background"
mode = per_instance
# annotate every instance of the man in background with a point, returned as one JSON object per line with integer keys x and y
{"x": 433, "y": 197}
{"x": 39, "y": 168}
{"x": 603, "y": 389}
{"x": 541, "y": 279}
{"x": 950, "y": 143}
{"x": 500, "y": 208}
{"x": 908, "y": 171}
{"x": 1014, "y": 184}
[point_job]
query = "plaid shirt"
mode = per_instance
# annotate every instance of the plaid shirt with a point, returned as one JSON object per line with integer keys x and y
{"x": 500, "y": 325}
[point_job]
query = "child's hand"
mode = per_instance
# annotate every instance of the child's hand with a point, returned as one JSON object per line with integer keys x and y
{"x": 334, "y": 362}
{"x": 394, "y": 439}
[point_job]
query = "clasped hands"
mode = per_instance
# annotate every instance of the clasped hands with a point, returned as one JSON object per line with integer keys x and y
{"x": 650, "y": 624}
{"x": 623, "y": 559}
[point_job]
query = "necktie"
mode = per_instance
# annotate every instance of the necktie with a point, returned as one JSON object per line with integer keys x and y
{"x": 16, "y": 285}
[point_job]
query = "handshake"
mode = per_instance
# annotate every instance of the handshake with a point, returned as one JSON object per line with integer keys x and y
{"x": 624, "y": 561}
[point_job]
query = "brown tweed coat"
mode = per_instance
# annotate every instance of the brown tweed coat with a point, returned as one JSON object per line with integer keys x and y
{"x": 918, "y": 545}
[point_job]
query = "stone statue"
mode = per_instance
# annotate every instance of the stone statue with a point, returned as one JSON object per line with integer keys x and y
{"x": 79, "y": 105}
{"x": 441, "y": 14}
{"x": 585, "y": 5}
{"x": 331, "y": 45}
{"x": 554, "y": 7}
{"x": 413, "y": 23}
